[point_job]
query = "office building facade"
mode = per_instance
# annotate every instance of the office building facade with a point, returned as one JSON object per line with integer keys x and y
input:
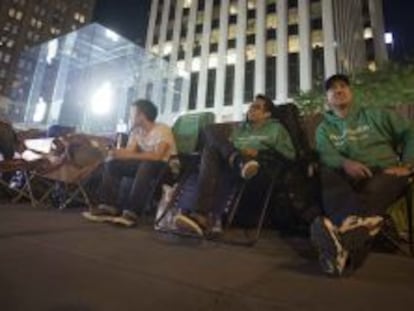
{"x": 26, "y": 23}
{"x": 230, "y": 50}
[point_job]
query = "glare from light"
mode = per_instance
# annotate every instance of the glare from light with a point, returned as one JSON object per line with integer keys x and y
{"x": 52, "y": 48}
{"x": 389, "y": 38}
{"x": 112, "y": 35}
{"x": 40, "y": 110}
{"x": 368, "y": 33}
{"x": 101, "y": 101}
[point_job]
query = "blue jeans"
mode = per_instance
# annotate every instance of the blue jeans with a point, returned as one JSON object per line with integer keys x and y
{"x": 145, "y": 174}
{"x": 215, "y": 171}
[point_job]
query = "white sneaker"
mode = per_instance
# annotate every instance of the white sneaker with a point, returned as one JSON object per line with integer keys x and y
{"x": 249, "y": 169}
{"x": 332, "y": 256}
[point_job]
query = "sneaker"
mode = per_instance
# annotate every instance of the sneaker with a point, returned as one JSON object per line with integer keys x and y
{"x": 127, "y": 219}
{"x": 372, "y": 223}
{"x": 332, "y": 256}
{"x": 193, "y": 223}
{"x": 246, "y": 169}
{"x": 249, "y": 169}
{"x": 102, "y": 213}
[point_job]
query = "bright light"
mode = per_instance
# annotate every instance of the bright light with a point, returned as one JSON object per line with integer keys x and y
{"x": 389, "y": 38}
{"x": 368, "y": 33}
{"x": 112, "y": 35}
{"x": 40, "y": 110}
{"x": 52, "y": 48}
{"x": 101, "y": 101}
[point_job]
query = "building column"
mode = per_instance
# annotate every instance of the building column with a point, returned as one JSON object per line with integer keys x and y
{"x": 151, "y": 25}
{"x": 172, "y": 71}
{"x": 221, "y": 59}
{"x": 378, "y": 30}
{"x": 329, "y": 38}
{"x": 164, "y": 26}
{"x": 282, "y": 52}
{"x": 204, "y": 59}
{"x": 239, "y": 79}
{"x": 260, "y": 62}
{"x": 189, "y": 52}
{"x": 305, "y": 48}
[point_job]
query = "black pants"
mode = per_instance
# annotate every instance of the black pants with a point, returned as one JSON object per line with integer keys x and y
{"x": 213, "y": 169}
{"x": 343, "y": 196}
{"x": 146, "y": 175}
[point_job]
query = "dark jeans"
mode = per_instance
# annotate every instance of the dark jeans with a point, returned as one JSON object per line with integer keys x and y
{"x": 214, "y": 167}
{"x": 343, "y": 196}
{"x": 146, "y": 175}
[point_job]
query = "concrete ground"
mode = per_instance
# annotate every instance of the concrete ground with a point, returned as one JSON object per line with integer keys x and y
{"x": 51, "y": 260}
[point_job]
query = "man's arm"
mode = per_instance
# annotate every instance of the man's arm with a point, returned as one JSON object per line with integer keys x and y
{"x": 329, "y": 155}
{"x": 161, "y": 150}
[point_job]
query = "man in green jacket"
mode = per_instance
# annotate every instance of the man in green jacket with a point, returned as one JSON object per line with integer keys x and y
{"x": 364, "y": 172}
{"x": 240, "y": 154}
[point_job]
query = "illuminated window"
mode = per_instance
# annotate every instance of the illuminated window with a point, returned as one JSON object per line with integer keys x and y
{"x": 19, "y": 15}
{"x": 12, "y": 12}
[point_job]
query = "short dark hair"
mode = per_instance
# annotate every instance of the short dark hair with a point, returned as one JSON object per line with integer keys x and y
{"x": 268, "y": 103}
{"x": 147, "y": 107}
{"x": 334, "y": 78}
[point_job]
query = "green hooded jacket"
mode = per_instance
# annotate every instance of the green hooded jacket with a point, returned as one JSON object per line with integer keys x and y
{"x": 371, "y": 136}
{"x": 270, "y": 135}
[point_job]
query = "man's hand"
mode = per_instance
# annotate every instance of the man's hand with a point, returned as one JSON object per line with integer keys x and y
{"x": 118, "y": 154}
{"x": 356, "y": 169}
{"x": 398, "y": 171}
{"x": 249, "y": 153}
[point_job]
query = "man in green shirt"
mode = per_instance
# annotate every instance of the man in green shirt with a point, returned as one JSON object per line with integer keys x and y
{"x": 363, "y": 174}
{"x": 240, "y": 153}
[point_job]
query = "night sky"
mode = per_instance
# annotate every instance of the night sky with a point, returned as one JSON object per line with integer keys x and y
{"x": 130, "y": 18}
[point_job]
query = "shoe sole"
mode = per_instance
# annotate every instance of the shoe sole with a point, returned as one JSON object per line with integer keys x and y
{"x": 250, "y": 170}
{"x": 123, "y": 222}
{"x": 328, "y": 245}
{"x": 97, "y": 218}
{"x": 188, "y": 225}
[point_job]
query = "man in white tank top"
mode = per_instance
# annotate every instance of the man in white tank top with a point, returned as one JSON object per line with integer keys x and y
{"x": 149, "y": 147}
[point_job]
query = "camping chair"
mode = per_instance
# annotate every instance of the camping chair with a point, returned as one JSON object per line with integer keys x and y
{"x": 26, "y": 168}
{"x": 388, "y": 231}
{"x": 83, "y": 155}
{"x": 277, "y": 169}
{"x": 187, "y": 132}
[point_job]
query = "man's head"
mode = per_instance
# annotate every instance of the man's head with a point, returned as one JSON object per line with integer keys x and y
{"x": 143, "y": 111}
{"x": 339, "y": 94}
{"x": 260, "y": 109}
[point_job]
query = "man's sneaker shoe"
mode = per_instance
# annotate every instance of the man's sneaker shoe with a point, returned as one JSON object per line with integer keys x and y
{"x": 104, "y": 209}
{"x": 102, "y": 213}
{"x": 332, "y": 256}
{"x": 194, "y": 223}
{"x": 246, "y": 169}
{"x": 249, "y": 169}
{"x": 127, "y": 219}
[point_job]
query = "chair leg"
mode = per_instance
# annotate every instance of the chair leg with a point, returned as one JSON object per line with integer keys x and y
{"x": 264, "y": 209}
{"x": 236, "y": 205}
{"x": 408, "y": 204}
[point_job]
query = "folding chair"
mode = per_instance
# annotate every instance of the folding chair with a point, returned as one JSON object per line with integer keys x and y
{"x": 84, "y": 154}
{"x": 187, "y": 132}
{"x": 26, "y": 168}
{"x": 277, "y": 167}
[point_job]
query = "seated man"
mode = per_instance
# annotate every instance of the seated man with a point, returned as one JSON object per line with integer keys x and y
{"x": 149, "y": 147}
{"x": 363, "y": 175}
{"x": 240, "y": 154}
